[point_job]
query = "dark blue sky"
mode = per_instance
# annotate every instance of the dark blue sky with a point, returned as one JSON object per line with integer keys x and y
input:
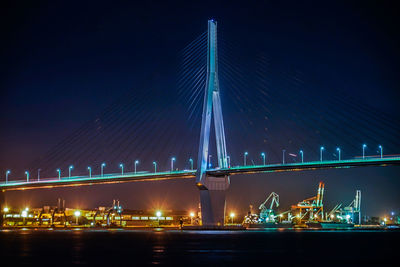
{"x": 330, "y": 71}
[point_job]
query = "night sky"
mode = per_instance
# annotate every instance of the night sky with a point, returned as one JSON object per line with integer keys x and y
{"x": 85, "y": 83}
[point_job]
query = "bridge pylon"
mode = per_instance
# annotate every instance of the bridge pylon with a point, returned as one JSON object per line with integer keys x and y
{"x": 212, "y": 189}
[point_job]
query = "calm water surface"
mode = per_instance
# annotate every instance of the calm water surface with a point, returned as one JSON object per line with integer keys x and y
{"x": 189, "y": 248}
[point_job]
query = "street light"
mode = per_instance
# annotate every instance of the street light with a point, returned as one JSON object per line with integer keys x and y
{"x": 77, "y": 214}
{"x": 27, "y": 176}
{"x": 209, "y": 161}
{"x": 232, "y": 215}
{"x": 122, "y": 168}
{"x": 90, "y": 172}
{"x": 172, "y": 163}
{"x": 320, "y": 151}
{"x": 283, "y": 156}
{"x": 363, "y": 147}
{"x": 244, "y": 158}
{"x": 191, "y": 217}
{"x": 69, "y": 171}
{"x": 158, "y": 214}
{"x": 6, "y": 209}
{"x": 302, "y": 156}
{"x": 136, "y": 163}
{"x": 7, "y": 173}
{"x": 38, "y": 174}
{"x": 59, "y": 174}
{"x": 24, "y": 214}
{"x": 338, "y": 150}
{"x": 381, "y": 149}
{"x": 263, "y": 157}
{"x": 102, "y": 169}
{"x": 229, "y": 161}
{"x": 191, "y": 163}
{"x": 155, "y": 166}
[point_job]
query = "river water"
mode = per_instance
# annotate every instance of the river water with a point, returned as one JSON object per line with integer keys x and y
{"x": 117, "y": 247}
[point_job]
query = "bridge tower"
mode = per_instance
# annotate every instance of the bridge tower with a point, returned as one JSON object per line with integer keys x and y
{"x": 212, "y": 189}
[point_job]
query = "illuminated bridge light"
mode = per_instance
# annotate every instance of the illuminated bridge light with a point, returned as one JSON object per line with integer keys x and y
{"x": 339, "y": 151}
{"x": 263, "y": 157}
{"x": 7, "y": 173}
{"x": 172, "y": 163}
{"x": 69, "y": 171}
{"x": 244, "y": 158}
{"x": 321, "y": 149}
{"x": 155, "y": 166}
{"x": 363, "y": 150}
{"x": 122, "y": 168}
{"x": 136, "y": 163}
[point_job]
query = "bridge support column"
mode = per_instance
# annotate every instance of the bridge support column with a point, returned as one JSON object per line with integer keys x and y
{"x": 212, "y": 189}
{"x": 212, "y": 200}
{"x": 2, "y": 206}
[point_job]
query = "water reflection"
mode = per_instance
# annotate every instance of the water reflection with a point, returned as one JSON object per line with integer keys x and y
{"x": 114, "y": 247}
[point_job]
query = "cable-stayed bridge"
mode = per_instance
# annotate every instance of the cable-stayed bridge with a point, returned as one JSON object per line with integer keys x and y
{"x": 211, "y": 182}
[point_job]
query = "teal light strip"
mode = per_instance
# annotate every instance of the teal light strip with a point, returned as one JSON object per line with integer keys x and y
{"x": 184, "y": 173}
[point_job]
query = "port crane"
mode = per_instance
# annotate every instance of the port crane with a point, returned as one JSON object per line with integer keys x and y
{"x": 351, "y": 213}
{"x": 55, "y": 212}
{"x": 268, "y": 214}
{"x": 332, "y": 214}
{"x": 355, "y": 208}
{"x": 312, "y": 207}
{"x": 115, "y": 209}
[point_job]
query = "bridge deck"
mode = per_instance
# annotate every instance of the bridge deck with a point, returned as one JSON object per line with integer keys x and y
{"x": 146, "y": 176}
{"x": 306, "y": 166}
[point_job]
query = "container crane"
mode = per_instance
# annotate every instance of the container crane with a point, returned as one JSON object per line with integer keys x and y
{"x": 115, "y": 209}
{"x": 332, "y": 214}
{"x": 352, "y": 212}
{"x": 313, "y": 207}
{"x": 268, "y": 214}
